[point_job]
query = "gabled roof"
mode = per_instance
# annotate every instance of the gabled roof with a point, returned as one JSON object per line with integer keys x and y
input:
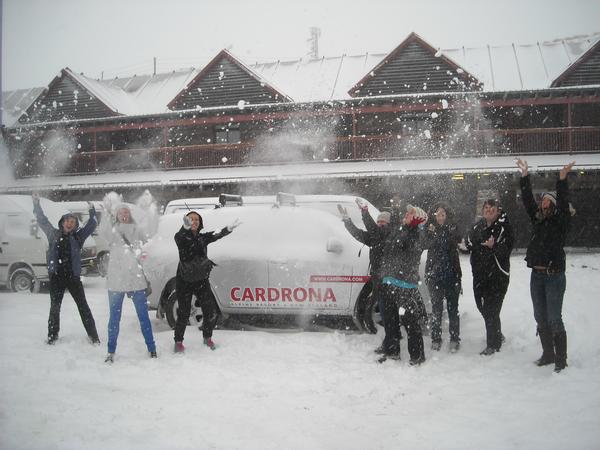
{"x": 66, "y": 98}
{"x": 584, "y": 71}
{"x": 213, "y": 86}
{"x": 414, "y": 67}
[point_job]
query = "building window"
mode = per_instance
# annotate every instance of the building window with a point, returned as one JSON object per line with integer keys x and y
{"x": 228, "y": 134}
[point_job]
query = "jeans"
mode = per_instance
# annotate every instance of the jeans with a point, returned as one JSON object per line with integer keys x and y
{"x": 58, "y": 285}
{"x": 450, "y": 290}
{"x": 547, "y": 293}
{"x": 115, "y": 300}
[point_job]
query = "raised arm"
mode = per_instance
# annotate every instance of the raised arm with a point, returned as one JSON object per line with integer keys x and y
{"x": 526, "y": 192}
{"x": 90, "y": 225}
{"x": 41, "y": 218}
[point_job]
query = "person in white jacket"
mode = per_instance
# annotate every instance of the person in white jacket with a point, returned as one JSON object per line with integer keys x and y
{"x": 125, "y": 273}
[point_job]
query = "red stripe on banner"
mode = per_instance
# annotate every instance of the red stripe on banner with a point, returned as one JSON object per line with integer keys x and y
{"x": 339, "y": 278}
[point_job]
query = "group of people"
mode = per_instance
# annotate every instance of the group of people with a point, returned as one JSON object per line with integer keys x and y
{"x": 396, "y": 244}
{"x": 125, "y": 275}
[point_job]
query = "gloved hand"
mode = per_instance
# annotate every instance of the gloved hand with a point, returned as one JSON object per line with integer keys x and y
{"x": 362, "y": 206}
{"x": 145, "y": 200}
{"x": 187, "y": 222}
{"x": 35, "y": 197}
{"x": 236, "y": 223}
{"x": 91, "y": 205}
{"x": 343, "y": 212}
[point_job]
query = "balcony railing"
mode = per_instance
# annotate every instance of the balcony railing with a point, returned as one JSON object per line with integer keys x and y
{"x": 459, "y": 144}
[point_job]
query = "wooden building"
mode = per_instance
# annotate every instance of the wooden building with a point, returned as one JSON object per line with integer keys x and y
{"x": 424, "y": 122}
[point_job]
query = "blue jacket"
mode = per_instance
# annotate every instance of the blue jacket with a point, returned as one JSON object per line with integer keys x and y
{"x": 76, "y": 238}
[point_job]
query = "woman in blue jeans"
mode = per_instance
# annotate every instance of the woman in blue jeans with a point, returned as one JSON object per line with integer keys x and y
{"x": 545, "y": 256}
{"x": 125, "y": 274}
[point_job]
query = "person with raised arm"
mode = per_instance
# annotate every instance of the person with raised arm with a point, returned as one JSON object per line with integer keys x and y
{"x": 550, "y": 220}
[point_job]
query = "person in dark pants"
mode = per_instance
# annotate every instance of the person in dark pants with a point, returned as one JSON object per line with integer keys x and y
{"x": 443, "y": 274}
{"x": 400, "y": 279}
{"x": 546, "y": 258}
{"x": 490, "y": 242}
{"x": 374, "y": 238}
{"x": 64, "y": 267}
{"x": 192, "y": 245}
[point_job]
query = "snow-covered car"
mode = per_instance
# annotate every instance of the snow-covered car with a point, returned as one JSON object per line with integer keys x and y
{"x": 282, "y": 260}
{"x": 23, "y": 245}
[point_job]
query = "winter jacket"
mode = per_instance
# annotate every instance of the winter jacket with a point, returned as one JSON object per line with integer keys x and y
{"x": 191, "y": 245}
{"x": 125, "y": 273}
{"x": 491, "y": 264}
{"x": 546, "y": 247}
{"x": 441, "y": 243}
{"x": 76, "y": 238}
{"x": 374, "y": 238}
{"x": 402, "y": 255}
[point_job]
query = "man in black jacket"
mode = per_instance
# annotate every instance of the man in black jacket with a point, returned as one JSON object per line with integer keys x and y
{"x": 546, "y": 258}
{"x": 374, "y": 238}
{"x": 490, "y": 242}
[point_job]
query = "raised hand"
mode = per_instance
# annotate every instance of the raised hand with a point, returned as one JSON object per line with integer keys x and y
{"x": 523, "y": 167}
{"x": 565, "y": 170}
{"x": 343, "y": 212}
{"x": 362, "y": 206}
{"x": 187, "y": 222}
{"x": 236, "y": 223}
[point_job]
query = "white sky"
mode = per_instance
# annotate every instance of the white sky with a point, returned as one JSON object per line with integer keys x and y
{"x": 120, "y": 37}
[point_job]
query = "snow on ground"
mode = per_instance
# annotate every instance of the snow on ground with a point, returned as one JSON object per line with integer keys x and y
{"x": 299, "y": 390}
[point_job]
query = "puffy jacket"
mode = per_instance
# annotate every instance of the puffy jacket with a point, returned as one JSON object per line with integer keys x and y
{"x": 125, "y": 272}
{"x": 490, "y": 264}
{"x": 546, "y": 247}
{"x": 374, "y": 238}
{"x": 191, "y": 245}
{"x": 402, "y": 254}
{"x": 76, "y": 238}
{"x": 443, "y": 262}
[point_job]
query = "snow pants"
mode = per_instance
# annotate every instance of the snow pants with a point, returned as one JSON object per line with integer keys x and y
{"x": 208, "y": 304}
{"x": 410, "y": 300}
{"x": 440, "y": 290}
{"x": 489, "y": 297}
{"x": 58, "y": 285}
{"x": 115, "y": 301}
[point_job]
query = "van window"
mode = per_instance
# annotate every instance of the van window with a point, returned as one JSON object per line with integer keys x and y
{"x": 17, "y": 226}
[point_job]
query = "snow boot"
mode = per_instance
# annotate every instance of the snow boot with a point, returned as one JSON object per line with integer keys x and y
{"x": 547, "y": 347}
{"x": 454, "y": 346}
{"x": 488, "y": 351}
{"x": 379, "y": 350}
{"x": 153, "y": 355}
{"x": 110, "y": 358}
{"x": 210, "y": 343}
{"x": 560, "y": 351}
{"x": 417, "y": 361}
{"x": 51, "y": 340}
{"x": 179, "y": 348}
{"x": 436, "y": 345}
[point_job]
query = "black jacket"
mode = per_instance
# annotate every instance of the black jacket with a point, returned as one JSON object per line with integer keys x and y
{"x": 402, "y": 254}
{"x": 191, "y": 245}
{"x": 491, "y": 264}
{"x": 442, "y": 256}
{"x": 546, "y": 247}
{"x": 374, "y": 238}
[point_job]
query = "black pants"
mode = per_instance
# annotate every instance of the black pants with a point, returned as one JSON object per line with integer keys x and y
{"x": 450, "y": 290}
{"x": 489, "y": 298}
{"x": 411, "y": 301}
{"x": 208, "y": 304}
{"x": 58, "y": 285}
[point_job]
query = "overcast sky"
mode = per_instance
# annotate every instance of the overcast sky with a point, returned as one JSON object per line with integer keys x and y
{"x": 120, "y": 37}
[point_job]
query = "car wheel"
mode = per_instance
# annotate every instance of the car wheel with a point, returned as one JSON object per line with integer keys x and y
{"x": 102, "y": 262}
{"x": 171, "y": 309}
{"x": 22, "y": 280}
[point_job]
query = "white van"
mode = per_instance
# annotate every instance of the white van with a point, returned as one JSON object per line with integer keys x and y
{"x": 286, "y": 258}
{"x": 23, "y": 245}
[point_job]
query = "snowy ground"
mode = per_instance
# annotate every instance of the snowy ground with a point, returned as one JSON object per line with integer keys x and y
{"x": 299, "y": 390}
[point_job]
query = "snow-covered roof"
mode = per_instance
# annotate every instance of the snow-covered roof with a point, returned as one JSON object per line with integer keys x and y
{"x": 513, "y": 67}
{"x": 295, "y": 172}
